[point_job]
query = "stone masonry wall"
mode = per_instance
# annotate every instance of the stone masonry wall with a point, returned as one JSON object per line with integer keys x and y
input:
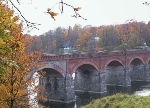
{"x": 147, "y": 70}
{"x": 138, "y": 73}
{"x": 103, "y": 87}
{"x": 115, "y": 76}
{"x": 53, "y": 88}
{"x": 69, "y": 89}
{"x": 58, "y": 89}
{"x": 87, "y": 81}
{"x": 127, "y": 76}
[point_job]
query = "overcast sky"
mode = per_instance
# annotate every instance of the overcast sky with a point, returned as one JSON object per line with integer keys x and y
{"x": 97, "y": 13}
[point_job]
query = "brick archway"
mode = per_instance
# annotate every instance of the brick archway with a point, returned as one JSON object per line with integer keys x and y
{"x": 147, "y": 60}
{"x": 136, "y": 57}
{"x": 55, "y": 67}
{"x": 80, "y": 63}
{"x": 113, "y": 59}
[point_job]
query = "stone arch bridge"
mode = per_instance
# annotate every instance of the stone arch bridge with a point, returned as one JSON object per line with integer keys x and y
{"x": 93, "y": 72}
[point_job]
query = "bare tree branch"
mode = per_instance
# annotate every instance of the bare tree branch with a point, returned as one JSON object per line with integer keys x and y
{"x": 146, "y": 3}
{"x": 61, "y": 7}
{"x": 76, "y": 13}
{"x": 28, "y": 23}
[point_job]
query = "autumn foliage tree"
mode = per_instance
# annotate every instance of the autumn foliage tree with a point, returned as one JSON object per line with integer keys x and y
{"x": 15, "y": 62}
{"x": 110, "y": 37}
{"x": 5, "y": 25}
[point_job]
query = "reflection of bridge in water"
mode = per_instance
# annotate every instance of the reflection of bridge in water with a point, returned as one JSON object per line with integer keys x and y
{"x": 93, "y": 72}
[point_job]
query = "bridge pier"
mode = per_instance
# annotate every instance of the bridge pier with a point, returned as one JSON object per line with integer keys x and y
{"x": 147, "y": 71}
{"x": 69, "y": 89}
{"x": 103, "y": 87}
{"x": 58, "y": 89}
{"x": 127, "y": 71}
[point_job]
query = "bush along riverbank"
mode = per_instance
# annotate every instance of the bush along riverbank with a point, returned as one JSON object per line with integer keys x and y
{"x": 120, "y": 101}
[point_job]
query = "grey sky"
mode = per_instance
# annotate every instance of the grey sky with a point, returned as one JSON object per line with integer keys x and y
{"x": 98, "y": 12}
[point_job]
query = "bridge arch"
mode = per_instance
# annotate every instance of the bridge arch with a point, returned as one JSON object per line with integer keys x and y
{"x": 85, "y": 62}
{"x": 53, "y": 68}
{"x": 53, "y": 82}
{"x": 86, "y": 73}
{"x": 117, "y": 62}
{"x": 137, "y": 69}
{"x": 137, "y": 58}
{"x": 148, "y": 60}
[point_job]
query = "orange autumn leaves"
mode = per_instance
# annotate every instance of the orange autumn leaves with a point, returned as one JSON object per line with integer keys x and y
{"x": 53, "y": 14}
{"x": 77, "y": 9}
{"x": 15, "y": 63}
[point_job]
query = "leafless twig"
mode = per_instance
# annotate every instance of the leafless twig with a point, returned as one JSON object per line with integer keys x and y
{"x": 34, "y": 25}
{"x": 146, "y": 3}
{"x": 76, "y": 13}
{"x": 28, "y": 23}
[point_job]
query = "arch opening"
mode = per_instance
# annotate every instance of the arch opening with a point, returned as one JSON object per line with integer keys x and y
{"x": 86, "y": 68}
{"x": 52, "y": 73}
{"x": 53, "y": 84}
{"x": 136, "y": 61}
{"x": 115, "y": 74}
{"x": 137, "y": 70}
{"x": 114, "y": 63}
{"x": 86, "y": 78}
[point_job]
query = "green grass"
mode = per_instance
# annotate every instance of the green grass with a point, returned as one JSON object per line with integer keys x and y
{"x": 120, "y": 101}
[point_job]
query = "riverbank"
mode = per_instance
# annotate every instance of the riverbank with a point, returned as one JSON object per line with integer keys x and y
{"x": 120, "y": 101}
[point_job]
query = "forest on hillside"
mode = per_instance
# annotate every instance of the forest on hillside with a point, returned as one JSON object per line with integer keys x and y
{"x": 92, "y": 39}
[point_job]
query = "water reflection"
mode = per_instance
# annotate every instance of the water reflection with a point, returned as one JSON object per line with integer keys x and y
{"x": 84, "y": 98}
{"x": 144, "y": 92}
{"x": 61, "y": 105}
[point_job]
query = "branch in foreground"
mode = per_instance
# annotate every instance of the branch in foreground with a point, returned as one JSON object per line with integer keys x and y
{"x": 28, "y": 23}
{"x": 146, "y": 3}
{"x": 61, "y": 7}
{"x": 75, "y": 10}
{"x": 52, "y": 14}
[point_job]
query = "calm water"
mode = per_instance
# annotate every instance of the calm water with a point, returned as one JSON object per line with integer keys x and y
{"x": 142, "y": 89}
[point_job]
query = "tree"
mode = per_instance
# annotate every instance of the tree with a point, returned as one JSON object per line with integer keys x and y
{"x": 59, "y": 36}
{"x": 17, "y": 62}
{"x": 7, "y": 23}
{"x": 83, "y": 39}
{"x": 33, "y": 43}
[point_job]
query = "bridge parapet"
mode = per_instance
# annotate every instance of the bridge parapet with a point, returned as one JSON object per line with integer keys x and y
{"x": 116, "y": 53}
{"x": 68, "y": 56}
{"x": 49, "y": 57}
{"x": 135, "y": 51}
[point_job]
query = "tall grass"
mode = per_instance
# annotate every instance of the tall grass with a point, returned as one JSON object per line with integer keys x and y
{"x": 120, "y": 101}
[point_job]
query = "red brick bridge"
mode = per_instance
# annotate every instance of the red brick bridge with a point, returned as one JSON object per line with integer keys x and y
{"x": 93, "y": 71}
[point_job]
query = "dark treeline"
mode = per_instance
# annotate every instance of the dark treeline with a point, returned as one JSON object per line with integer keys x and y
{"x": 88, "y": 38}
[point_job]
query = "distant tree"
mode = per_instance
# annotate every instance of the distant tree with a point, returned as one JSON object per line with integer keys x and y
{"x": 59, "y": 36}
{"x": 33, "y": 43}
{"x": 83, "y": 39}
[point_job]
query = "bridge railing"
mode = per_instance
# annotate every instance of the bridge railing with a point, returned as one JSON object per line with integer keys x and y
{"x": 49, "y": 57}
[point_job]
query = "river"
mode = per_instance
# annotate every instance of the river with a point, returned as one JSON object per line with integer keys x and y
{"x": 142, "y": 89}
